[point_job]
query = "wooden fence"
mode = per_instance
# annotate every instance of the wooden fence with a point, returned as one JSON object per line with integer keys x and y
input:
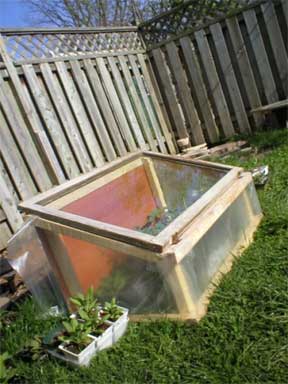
{"x": 73, "y": 100}
{"x": 212, "y": 77}
{"x": 65, "y": 114}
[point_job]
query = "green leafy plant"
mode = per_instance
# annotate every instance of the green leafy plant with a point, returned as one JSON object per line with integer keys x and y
{"x": 35, "y": 348}
{"x": 94, "y": 320}
{"x": 6, "y": 373}
{"x": 112, "y": 311}
{"x": 76, "y": 333}
{"x": 87, "y": 304}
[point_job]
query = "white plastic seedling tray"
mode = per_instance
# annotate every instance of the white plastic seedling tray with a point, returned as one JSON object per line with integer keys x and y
{"x": 106, "y": 340}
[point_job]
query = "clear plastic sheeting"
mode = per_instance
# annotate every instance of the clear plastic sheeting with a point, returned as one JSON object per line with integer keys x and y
{"x": 27, "y": 257}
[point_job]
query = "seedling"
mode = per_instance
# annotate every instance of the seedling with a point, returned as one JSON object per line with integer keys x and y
{"x": 87, "y": 305}
{"x": 76, "y": 334}
{"x": 112, "y": 311}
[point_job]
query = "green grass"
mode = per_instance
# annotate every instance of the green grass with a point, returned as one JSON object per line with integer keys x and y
{"x": 243, "y": 338}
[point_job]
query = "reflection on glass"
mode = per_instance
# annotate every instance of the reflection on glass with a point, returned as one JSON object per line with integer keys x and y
{"x": 147, "y": 197}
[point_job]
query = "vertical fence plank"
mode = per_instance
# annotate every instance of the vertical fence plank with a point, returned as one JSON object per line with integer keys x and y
{"x": 157, "y": 100}
{"x": 23, "y": 138}
{"x": 145, "y": 123}
{"x": 126, "y": 102}
{"x": 214, "y": 82}
{"x": 104, "y": 105}
{"x": 8, "y": 205}
{"x": 14, "y": 162}
{"x": 93, "y": 110}
{"x": 80, "y": 114}
{"x": 196, "y": 81}
{"x": 49, "y": 117}
{"x": 230, "y": 78}
{"x": 5, "y": 234}
{"x": 169, "y": 93}
{"x": 147, "y": 103}
{"x": 261, "y": 56}
{"x": 285, "y": 11}
{"x": 245, "y": 67}
{"x": 45, "y": 150}
{"x": 116, "y": 105}
{"x": 184, "y": 93}
{"x": 277, "y": 43}
{"x": 66, "y": 118}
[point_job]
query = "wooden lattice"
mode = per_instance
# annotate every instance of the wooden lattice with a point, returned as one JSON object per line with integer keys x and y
{"x": 191, "y": 14}
{"x": 43, "y": 44}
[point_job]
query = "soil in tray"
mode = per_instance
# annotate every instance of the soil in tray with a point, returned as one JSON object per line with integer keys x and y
{"x": 100, "y": 330}
{"x": 77, "y": 348}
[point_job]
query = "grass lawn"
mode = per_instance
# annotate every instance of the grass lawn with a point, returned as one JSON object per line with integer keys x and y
{"x": 243, "y": 338}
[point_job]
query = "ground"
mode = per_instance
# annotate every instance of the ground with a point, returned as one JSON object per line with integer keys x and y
{"x": 243, "y": 338}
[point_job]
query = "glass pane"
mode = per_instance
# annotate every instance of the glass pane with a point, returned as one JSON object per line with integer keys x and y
{"x": 147, "y": 197}
{"x": 136, "y": 284}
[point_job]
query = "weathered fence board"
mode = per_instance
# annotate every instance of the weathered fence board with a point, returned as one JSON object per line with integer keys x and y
{"x": 244, "y": 67}
{"x": 230, "y": 78}
{"x": 184, "y": 93}
{"x": 10, "y": 153}
{"x": 263, "y": 64}
{"x": 48, "y": 115}
{"x": 80, "y": 114}
{"x": 153, "y": 90}
{"x": 126, "y": 102}
{"x": 9, "y": 206}
{"x": 66, "y": 118}
{"x": 148, "y": 105}
{"x": 197, "y": 83}
{"x": 138, "y": 103}
{"x": 277, "y": 42}
{"x": 214, "y": 82}
{"x": 45, "y": 150}
{"x": 104, "y": 105}
{"x": 169, "y": 93}
{"x": 116, "y": 104}
{"x": 225, "y": 70}
{"x": 93, "y": 111}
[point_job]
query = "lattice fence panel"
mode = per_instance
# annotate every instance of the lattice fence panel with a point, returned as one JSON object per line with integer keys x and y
{"x": 191, "y": 14}
{"x": 42, "y": 45}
